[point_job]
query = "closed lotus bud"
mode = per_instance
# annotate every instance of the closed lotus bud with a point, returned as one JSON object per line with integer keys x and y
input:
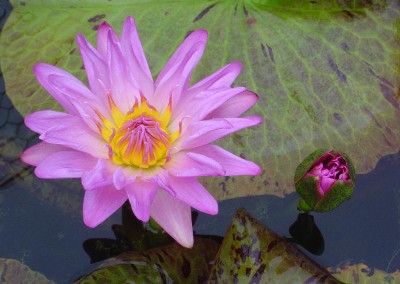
{"x": 324, "y": 180}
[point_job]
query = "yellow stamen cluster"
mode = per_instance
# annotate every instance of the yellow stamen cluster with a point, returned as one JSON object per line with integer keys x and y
{"x": 138, "y": 138}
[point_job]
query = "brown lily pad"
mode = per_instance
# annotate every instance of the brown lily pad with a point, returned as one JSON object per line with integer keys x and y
{"x": 168, "y": 264}
{"x": 14, "y": 271}
{"x": 362, "y": 274}
{"x": 252, "y": 253}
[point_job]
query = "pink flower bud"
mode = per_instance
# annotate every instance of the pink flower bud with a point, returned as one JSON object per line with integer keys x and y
{"x": 325, "y": 179}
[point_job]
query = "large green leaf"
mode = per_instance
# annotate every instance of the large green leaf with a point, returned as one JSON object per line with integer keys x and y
{"x": 252, "y": 253}
{"x": 327, "y": 72}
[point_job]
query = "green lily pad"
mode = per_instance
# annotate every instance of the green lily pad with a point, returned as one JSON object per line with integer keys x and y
{"x": 362, "y": 274}
{"x": 252, "y": 253}
{"x": 14, "y": 271}
{"x": 160, "y": 265}
{"x": 327, "y": 72}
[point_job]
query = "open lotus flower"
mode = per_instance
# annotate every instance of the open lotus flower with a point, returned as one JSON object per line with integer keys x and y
{"x": 128, "y": 137}
{"x": 324, "y": 180}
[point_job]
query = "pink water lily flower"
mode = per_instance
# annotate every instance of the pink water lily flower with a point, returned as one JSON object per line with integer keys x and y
{"x": 131, "y": 138}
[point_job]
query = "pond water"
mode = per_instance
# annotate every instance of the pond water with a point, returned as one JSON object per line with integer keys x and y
{"x": 49, "y": 238}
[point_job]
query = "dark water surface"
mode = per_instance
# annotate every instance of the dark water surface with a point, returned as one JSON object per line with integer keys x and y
{"x": 49, "y": 240}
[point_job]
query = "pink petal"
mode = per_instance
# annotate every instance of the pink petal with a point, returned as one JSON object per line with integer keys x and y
{"x": 65, "y": 164}
{"x": 131, "y": 43}
{"x": 187, "y": 164}
{"x": 235, "y": 106}
{"x": 100, "y": 203}
{"x": 43, "y": 71}
{"x": 204, "y": 132}
{"x": 210, "y": 102}
{"x": 66, "y": 130}
{"x": 121, "y": 87}
{"x": 83, "y": 141}
{"x": 325, "y": 184}
{"x": 223, "y": 78}
{"x": 141, "y": 195}
{"x": 124, "y": 176}
{"x": 102, "y": 35}
{"x": 198, "y": 106}
{"x": 174, "y": 217}
{"x": 37, "y": 153}
{"x": 96, "y": 69}
{"x": 41, "y": 121}
{"x": 316, "y": 170}
{"x": 135, "y": 58}
{"x": 232, "y": 164}
{"x": 100, "y": 175}
{"x": 213, "y": 97}
{"x": 151, "y": 172}
{"x": 84, "y": 101}
{"x": 175, "y": 76}
{"x": 190, "y": 191}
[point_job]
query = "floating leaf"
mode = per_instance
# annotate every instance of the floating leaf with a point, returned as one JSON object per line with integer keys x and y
{"x": 14, "y": 271}
{"x": 327, "y": 72}
{"x": 362, "y": 274}
{"x": 251, "y": 253}
{"x": 160, "y": 265}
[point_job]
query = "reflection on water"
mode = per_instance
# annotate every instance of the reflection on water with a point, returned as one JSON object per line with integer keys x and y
{"x": 306, "y": 233}
{"x": 48, "y": 233}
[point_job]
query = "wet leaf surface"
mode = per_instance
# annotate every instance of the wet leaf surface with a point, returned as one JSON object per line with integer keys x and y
{"x": 160, "y": 265}
{"x": 252, "y": 253}
{"x": 14, "y": 271}
{"x": 327, "y": 72}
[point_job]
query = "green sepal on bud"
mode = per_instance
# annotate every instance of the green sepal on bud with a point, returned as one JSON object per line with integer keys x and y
{"x": 303, "y": 206}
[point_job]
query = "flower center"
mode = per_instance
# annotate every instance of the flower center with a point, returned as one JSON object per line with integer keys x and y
{"x": 140, "y": 137}
{"x": 141, "y": 142}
